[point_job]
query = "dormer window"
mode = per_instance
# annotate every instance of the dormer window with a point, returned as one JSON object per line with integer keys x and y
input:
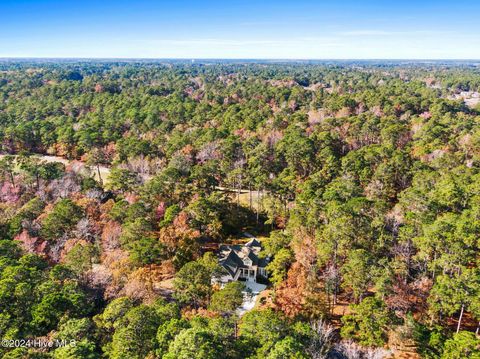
{"x": 247, "y": 262}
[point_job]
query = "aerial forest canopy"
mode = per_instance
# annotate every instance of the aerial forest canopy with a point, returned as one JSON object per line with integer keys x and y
{"x": 119, "y": 181}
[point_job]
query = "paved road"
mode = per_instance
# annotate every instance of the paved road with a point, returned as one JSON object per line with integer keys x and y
{"x": 105, "y": 171}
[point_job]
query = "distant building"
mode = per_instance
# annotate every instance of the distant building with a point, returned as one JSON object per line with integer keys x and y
{"x": 242, "y": 262}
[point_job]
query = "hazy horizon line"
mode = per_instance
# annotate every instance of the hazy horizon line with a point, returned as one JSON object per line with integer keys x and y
{"x": 232, "y": 58}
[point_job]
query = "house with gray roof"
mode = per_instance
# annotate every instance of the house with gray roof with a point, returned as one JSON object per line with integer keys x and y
{"x": 242, "y": 262}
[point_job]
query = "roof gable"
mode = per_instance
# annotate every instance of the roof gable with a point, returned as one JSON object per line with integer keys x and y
{"x": 253, "y": 243}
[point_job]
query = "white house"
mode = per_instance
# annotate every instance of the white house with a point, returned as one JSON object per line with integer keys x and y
{"x": 242, "y": 262}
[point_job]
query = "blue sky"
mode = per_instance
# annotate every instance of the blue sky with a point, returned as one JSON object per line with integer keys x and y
{"x": 300, "y": 29}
